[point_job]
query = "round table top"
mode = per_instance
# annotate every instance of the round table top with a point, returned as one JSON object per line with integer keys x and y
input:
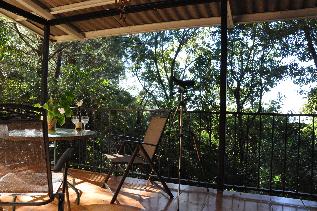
{"x": 60, "y": 134}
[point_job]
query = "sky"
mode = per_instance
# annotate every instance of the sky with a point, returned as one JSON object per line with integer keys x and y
{"x": 292, "y": 101}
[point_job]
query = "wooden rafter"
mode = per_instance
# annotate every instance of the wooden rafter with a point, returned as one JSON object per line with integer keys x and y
{"x": 230, "y": 16}
{"x": 80, "y": 6}
{"x": 47, "y": 15}
{"x": 23, "y": 21}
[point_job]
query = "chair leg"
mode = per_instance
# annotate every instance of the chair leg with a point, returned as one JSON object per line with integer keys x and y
{"x": 77, "y": 191}
{"x": 61, "y": 199}
{"x": 125, "y": 175}
{"x": 166, "y": 188}
{"x": 148, "y": 176}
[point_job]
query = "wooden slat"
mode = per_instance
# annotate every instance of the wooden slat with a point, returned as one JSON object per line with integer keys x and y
{"x": 280, "y": 15}
{"x": 80, "y": 6}
{"x": 230, "y": 16}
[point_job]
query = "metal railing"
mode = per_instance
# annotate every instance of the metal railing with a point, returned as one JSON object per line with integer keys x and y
{"x": 265, "y": 152}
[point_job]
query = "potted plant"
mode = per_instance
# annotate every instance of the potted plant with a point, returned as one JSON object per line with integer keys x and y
{"x": 57, "y": 110}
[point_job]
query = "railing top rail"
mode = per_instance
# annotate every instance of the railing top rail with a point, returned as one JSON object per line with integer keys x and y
{"x": 211, "y": 112}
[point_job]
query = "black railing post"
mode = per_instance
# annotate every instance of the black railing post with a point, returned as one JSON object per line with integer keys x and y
{"x": 285, "y": 156}
{"x": 313, "y": 158}
{"x": 223, "y": 96}
{"x": 298, "y": 155}
{"x": 259, "y": 153}
{"x": 272, "y": 153}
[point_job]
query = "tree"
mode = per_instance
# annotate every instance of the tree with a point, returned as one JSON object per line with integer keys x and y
{"x": 311, "y": 105}
{"x": 154, "y": 58}
{"x": 89, "y": 69}
{"x": 255, "y": 64}
{"x": 299, "y": 41}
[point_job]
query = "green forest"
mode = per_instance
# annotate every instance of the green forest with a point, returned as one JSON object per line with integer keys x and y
{"x": 265, "y": 150}
{"x": 260, "y": 56}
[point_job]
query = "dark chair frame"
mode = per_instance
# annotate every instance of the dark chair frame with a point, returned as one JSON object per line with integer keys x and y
{"x": 139, "y": 148}
{"x": 9, "y": 112}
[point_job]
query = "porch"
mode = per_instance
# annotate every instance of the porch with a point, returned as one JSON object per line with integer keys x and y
{"x": 258, "y": 153}
{"x": 137, "y": 195}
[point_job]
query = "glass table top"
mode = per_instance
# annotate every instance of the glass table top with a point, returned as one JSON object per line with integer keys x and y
{"x": 59, "y": 133}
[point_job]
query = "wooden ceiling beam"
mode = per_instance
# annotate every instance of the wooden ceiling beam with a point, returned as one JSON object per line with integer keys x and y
{"x": 80, "y": 6}
{"x": 145, "y": 28}
{"x": 249, "y": 18}
{"x": 156, "y": 5}
{"x": 47, "y": 15}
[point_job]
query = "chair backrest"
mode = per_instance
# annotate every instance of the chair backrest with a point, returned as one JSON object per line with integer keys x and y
{"x": 153, "y": 133}
{"x": 24, "y": 160}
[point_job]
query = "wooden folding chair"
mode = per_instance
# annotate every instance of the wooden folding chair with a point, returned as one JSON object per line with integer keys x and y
{"x": 143, "y": 153}
{"x": 26, "y": 178}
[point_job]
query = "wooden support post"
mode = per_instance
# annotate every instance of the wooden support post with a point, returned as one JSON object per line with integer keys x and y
{"x": 223, "y": 96}
{"x": 45, "y": 55}
{"x": 44, "y": 97}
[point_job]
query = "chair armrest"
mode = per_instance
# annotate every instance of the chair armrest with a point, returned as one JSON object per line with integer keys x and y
{"x": 148, "y": 144}
{"x": 139, "y": 142}
{"x": 123, "y": 138}
{"x": 66, "y": 156}
{"x": 129, "y": 139}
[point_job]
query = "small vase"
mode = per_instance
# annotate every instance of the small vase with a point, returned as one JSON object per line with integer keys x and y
{"x": 51, "y": 124}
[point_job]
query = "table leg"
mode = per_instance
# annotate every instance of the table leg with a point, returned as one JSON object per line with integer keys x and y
{"x": 55, "y": 152}
{"x": 53, "y": 145}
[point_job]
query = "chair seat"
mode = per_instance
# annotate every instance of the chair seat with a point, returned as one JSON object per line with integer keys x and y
{"x": 20, "y": 185}
{"x": 117, "y": 158}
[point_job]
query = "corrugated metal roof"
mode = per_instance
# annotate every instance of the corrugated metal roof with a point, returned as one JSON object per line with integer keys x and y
{"x": 202, "y": 13}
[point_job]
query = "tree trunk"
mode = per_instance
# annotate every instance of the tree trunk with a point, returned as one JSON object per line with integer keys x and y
{"x": 310, "y": 44}
{"x": 58, "y": 65}
{"x": 237, "y": 96}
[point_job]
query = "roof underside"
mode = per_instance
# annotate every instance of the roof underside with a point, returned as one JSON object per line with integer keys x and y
{"x": 84, "y": 19}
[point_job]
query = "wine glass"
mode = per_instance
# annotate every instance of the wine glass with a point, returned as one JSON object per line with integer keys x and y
{"x": 85, "y": 120}
{"x": 75, "y": 120}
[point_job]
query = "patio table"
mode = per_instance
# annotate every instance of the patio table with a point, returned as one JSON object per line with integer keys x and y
{"x": 60, "y": 134}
